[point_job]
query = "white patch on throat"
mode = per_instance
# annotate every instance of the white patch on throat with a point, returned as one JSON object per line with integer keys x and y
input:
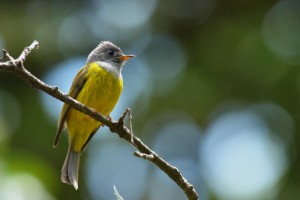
{"x": 110, "y": 67}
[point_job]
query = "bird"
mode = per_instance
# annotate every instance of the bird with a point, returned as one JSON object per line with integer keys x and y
{"x": 98, "y": 85}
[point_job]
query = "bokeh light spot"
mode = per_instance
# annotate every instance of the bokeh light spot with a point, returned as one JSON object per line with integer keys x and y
{"x": 177, "y": 141}
{"x": 61, "y": 76}
{"x": 180, "y": 132}
{"x": 166, "y": 61}
{"x": 111, "y": 163}
{"x": 162, "y": 187}
{"x": 127, "y": 14}
{"x": 70, "y": 35}
{"x": 241, "y": 151}
{"x": 21, "y": 186}
{"x": 138, "y": 88}
{"x": 281, "y": 30}
{"x": 120, "y": 20}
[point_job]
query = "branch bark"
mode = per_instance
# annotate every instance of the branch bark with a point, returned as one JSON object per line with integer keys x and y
{"x": 16, "y": 67}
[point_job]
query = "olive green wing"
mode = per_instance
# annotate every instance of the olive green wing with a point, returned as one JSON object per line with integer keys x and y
{"x": 77, "y": 84}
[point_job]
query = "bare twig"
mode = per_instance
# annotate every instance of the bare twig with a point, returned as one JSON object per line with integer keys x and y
{"x": 16, "y": 67}
{"x": 27, "y": 51}
{"x": 121, "y": 122}
{"x": 117, "y": 194}
{"x": 143, "y": 155}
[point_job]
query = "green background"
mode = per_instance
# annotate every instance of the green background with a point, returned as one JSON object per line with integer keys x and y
{"x": 231, "y": 56}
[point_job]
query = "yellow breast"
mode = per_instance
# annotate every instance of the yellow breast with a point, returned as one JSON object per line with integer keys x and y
{"x": 102, "y": 89}
{"x": 101, "y": 92}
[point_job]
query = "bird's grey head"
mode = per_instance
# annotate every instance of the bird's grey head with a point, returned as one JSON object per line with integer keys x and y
{"x": 107, "y": 52}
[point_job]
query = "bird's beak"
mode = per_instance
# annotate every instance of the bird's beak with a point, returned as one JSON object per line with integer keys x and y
{"x": 126, "y": 57}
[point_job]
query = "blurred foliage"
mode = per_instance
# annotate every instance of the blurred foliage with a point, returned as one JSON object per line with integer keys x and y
{"x": 227, "y": 58}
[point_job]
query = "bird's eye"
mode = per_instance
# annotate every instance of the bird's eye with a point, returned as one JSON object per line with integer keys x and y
{"x": 111, "y": 52}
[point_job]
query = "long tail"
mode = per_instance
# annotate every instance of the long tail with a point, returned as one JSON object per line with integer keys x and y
{"x": 69, "y": 172}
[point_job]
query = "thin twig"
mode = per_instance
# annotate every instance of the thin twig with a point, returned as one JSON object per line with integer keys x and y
{"x": 16, "y": 67}
{"x": 121, "y": 122}
{"x": 27, "y": 51}
{"x": 143, "y": 155}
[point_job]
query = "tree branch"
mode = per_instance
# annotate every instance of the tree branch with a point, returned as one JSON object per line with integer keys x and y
{"x": 16, "y": 67}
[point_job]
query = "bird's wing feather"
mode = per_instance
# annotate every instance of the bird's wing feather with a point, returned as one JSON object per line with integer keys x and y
{"x": 78, "y": 83}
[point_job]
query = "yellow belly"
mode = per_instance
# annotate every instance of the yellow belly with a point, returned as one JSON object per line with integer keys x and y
{"x": 101, "y": 92}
